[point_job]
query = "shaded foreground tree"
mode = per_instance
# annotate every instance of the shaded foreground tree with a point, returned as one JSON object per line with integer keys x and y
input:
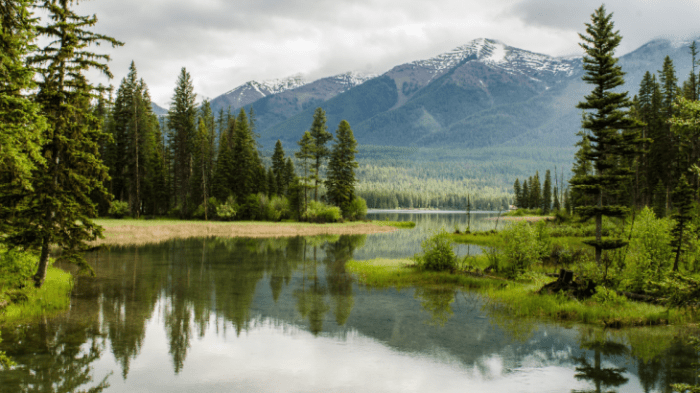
{"x": 605, "y": 118}
{"x": 341, "y": 168}
{"x": 59, "y": 210}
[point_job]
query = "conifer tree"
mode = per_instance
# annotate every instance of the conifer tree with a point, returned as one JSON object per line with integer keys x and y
{"x": 244, "y": 159}
{"x": 341, "y": 168}
{"x": 272, "y": 184}
{"x": 605, "y": 118}
{"x": 525, "y": 197}
{"x": 278, "y": 166}
{"x": 547, "y": 193}
{"x": 181, "y": 120}
{"x": 59, "y": 209}
{"x": 556, "y": 204}
{"x": 517, "y": 190}
{"x": 21, "y": 124}
{"x": 224, "y": 169}
{"x": 306, "y": 154}
{"x": 660, "y": 200}
{"x": 289, "y": 174}
{"x": 321, "y": 136}
{"x": 201, "y": 165}
{"x": 683, "y": 201}
{"x": 535, "y": 192}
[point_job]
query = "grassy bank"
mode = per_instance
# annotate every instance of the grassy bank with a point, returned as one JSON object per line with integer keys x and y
{"x": 519, "y": 298}
{"x": 396, "y": 224}
{"x": 136, "y": 232}
{"x": 29, "y": 303}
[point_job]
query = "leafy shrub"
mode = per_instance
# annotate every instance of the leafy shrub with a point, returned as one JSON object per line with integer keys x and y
{"x": 227, "y": 210}
{"x": 118, "y": 209}
{"x": 356, "y": 210}
{"x": 280, "y": 204}
{"x": 609, "y": 297}
{"x": 650, "y": 254}
{"x": 212, "y": 205}
{"x": 437, "y": 253}
{"x": 320, "y": 212}
{"x": 524, "y": 245}
{"x": 16, "y": 267}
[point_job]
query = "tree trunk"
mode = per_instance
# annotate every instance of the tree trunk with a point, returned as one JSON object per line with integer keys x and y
{"x": 40, "y": 275}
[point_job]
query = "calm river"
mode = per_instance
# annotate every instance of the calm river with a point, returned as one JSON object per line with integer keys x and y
{"x": 282, "y": 315}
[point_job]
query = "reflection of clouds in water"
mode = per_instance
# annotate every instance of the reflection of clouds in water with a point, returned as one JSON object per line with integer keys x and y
{"x": 280, "y": 357}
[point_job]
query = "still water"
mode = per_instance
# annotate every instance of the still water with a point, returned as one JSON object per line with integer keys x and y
{"x": 282, "y": 315}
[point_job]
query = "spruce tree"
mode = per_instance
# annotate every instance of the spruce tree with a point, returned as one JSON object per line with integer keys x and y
{"x": 321, "y": 136}
{"x": 278, "y": 166}
{"x": 660, "y": 200}
{"x": 223, "y": 171}
{"x": 605, "y": 118}
{"x": 517, "y": 191}
{"x": 306, "y": 154}
{"x": 535, "y": 192}
{"x": 60, "y": 209}
{"x": 525, "y": 197}
{"x": 289, "y": 174}
{"x": 181, "y": 120}
{"x": 341, "y": 168}
{"x": 683, "y": 201}
{"x": 547, "y": 193}
{"x": 244, "y": 159}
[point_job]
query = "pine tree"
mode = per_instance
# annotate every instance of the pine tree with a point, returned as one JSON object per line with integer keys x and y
{"x": 289, "y": 174}
{"x": 683, "y": 200}
{"x": 181, "y": 120}
{"x": 244, "y": 159}
{"x": 305, "y": 154}
{"x": 278, "y": 166}
{"x": 535, "y": 192}
{"x": 660, "y": 200}
{"x": 525, "y": 197}
{"x": 224, "y": 167}
{"x": 60, "y": 209}
{"x": 321, "y": 136}
{"x": 201, "y": 166}
{"x": 547, "y": 193}
{"x": 690, "y": 90}
{"x": 341, "y": 168}
{"x": 517, "y": 191}
{"x": 605, "y": 119}
{"x": 556, "y": 204}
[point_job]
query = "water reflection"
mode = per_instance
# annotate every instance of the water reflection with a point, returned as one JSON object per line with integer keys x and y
{"x": 206, "y": 314}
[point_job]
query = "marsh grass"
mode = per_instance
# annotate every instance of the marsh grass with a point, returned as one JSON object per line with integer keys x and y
{"x": 403, "y": 273}
{"x": 51, "y": 298}
{"x": 520, "y": 300}
{"x": 139, "y": 232}
{"x": 396, "y": 224}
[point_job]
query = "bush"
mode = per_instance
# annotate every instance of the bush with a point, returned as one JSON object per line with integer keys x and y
{"x": 650, "y": 253}
{"x": 118, "y": 209}
{"x": 16, "y": 267}
{"x": 212, "y": 205}
{"x": 281, "y": 205}
{"x": 356, "y": 210}
{"x": 609, "y": 297}
{"x": 524, "y": 245}
{"x": 227, "y": 210}
{"x": 437, "y": 253}
{"x": 320, "y": 212}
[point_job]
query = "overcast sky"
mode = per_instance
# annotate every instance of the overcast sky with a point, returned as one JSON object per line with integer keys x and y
{"x": 225, "y": 43}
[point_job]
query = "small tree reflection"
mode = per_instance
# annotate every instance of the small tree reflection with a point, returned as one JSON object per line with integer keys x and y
{"x": 437, "y": 302}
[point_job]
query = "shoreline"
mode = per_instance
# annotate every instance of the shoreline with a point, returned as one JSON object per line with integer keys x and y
{"x": 127, "y": 232}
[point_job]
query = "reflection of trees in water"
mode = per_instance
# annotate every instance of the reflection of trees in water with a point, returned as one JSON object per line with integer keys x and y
{"x": 54, "y": 356}
{"x": 437, "y": 302}
{"x": 601, "y": 377}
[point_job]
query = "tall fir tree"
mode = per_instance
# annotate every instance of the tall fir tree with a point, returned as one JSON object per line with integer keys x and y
{"x": 321, "y": 136}
{"x": 60, "y": 209}
{"x": 182, "y": 118}
{"x": 605, "y": 118}
{"x": 306, "y": 155}
{"x": 535, "y": 192}
{"x": 517, "y": 191}
{"x": 224, "y": 167}
{"x": 683, "y": 201}
{"x": 341, "y": 168}
{"x": 547, "y": 193}
{"x": 278, "y": 166}
{"x": 245, "y": 159}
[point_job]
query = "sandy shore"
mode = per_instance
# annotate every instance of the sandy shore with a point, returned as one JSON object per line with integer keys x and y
{"x": 132, "y": 232}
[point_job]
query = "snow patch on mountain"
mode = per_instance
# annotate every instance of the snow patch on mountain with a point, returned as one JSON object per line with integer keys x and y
{"x": 271, "y": 86}
{"x": 352, "y": 79}
{"x": 498, "y": 55}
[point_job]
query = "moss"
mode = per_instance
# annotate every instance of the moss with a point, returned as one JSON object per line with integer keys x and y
{"x": 51, "y": 298}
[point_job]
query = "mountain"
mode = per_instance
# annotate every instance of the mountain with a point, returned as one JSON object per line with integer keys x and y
{"x": 278, "y": 107}
{"x": 158, "y": 110}
{"x": 252, "y": 91}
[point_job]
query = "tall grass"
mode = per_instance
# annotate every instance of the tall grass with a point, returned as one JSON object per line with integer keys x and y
{"x": 52, "y": 297}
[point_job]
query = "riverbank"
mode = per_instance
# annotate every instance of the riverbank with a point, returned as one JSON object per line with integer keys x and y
{"x": 520, "y": 298}
{"x": 29, "y": 303}
{"x": 139, "y": 232}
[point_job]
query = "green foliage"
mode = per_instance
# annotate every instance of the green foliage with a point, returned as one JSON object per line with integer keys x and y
{"x": 437, "y": 253}
{"x": 320, "y": 212}
{"x": 227, "y": 210}
{"x": 649, "y": 253}
{"x": 16, "y": 267}
{"x": 609, "y": 297}
{"x": 341, "y": 180}
{"x": 524, "y": 245}
{"x": 281, "y": 206}
{"x": 356, "y": 210}
{"x": 118, "y": 209}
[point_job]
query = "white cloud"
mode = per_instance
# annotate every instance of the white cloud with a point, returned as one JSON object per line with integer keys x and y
{"x": 224, "y": 44}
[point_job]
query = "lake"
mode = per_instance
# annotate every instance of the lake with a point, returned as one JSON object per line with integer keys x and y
{"x": 282, "y": 315}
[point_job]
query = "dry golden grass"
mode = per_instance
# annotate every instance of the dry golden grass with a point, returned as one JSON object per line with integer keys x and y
{"x": 138, "y": 232}
{"x": 518, "y": 218}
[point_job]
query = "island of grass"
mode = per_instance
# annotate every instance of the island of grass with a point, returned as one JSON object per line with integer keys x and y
{"x": 521, "y": 271}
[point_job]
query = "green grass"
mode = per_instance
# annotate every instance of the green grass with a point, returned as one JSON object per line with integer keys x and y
{"x": 52, "y": 297}
{"x": 114, "y": 222}
{"x": 402, "y": 273}
{"x": 520, "y": 300}
{"x": 397, "y": 224}
{"x": 486, "y": 239}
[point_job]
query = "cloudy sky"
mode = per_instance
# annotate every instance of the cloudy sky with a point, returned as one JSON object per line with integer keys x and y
{"x": 225, "y": 43}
